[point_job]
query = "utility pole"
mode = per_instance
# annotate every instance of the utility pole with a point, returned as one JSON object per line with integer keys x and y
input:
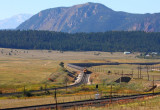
{"x": 147, "y": 72}
{"x": 153, "y": 84}
{"x": 55, "y": 97}
{"x": 140, "y": 73}
{"x": 122, "y": 73}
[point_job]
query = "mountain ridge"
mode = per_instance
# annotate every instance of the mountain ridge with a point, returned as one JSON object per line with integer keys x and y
{"x": 90, "y": 17}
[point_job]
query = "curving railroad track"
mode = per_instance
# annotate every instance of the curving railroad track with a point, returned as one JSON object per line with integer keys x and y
{"x": 83, "y": 77}
{"x": 84, "y": 102}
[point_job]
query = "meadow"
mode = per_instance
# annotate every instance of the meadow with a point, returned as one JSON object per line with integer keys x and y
{"x": 32, "y": 68}
{"x": 149, "y": 103}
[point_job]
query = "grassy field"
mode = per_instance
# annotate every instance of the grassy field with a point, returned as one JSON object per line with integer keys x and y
{"x": 32, "y": 68}
{"x": 149, "y": 103}
{"x": 27, "y": 67}
{"x": 75, "y": 94}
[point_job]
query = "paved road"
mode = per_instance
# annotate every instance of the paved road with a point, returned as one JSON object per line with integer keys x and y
{"x": 82, "y": 77}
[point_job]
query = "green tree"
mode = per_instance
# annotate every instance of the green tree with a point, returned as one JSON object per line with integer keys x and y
{"x": 61, "y": 64}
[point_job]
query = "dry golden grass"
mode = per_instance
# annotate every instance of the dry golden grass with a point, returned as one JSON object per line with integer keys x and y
{"x": 33, "y": 67}
{"x": 18, "y": 72}
{"x": 150, "y": 103}
{"x": 25, "y": 67}
{"x": 10, "y": 103}
{"x": 101, "y": 72}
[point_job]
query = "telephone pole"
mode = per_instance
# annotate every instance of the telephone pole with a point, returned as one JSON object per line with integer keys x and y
{"x": 111, "y": 95}
{"x": 55, "y": 97}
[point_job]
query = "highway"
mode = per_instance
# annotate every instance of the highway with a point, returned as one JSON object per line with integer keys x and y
{"x": 82, "y": 79}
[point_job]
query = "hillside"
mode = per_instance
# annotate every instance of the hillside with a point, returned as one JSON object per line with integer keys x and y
{"x": 117, "y": 41}
{"x": 90, "y": 17}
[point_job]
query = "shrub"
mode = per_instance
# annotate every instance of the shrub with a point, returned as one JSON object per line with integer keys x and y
{"x": 27, "y": 93}
{"x": 61, "y": 64}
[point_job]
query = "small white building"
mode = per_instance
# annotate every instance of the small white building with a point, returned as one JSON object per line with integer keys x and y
{"x": 126, "y": 53}
{"x": 154, "y": 53}
{"x": 147, "y": 55}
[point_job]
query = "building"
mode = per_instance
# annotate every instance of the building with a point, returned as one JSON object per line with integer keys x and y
{"x": 126, "y": 53}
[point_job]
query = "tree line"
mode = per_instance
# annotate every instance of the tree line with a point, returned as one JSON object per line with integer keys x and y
{"x": 112, "y": 41}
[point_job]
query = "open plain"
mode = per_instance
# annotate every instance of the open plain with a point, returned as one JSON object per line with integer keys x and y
{"x": 30, "y": 69}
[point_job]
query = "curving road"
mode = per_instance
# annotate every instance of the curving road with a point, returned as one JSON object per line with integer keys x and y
{"x": 82, "y": 79}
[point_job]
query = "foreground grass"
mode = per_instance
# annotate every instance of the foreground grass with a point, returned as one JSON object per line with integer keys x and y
{"x": 83, "y": 92}
{"x": 149, "y": 103}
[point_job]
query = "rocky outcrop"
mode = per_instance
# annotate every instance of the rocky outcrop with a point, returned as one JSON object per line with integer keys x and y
{"x": 90, "y": 17}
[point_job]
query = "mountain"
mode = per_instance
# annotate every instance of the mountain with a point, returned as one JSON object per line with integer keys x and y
{"x": 90, "y": 17}
{"x": 13, "y": 22}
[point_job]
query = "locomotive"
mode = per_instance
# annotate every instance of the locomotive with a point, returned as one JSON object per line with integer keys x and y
{"x": 78, "y": 68}
{"x": 85, "y": 70}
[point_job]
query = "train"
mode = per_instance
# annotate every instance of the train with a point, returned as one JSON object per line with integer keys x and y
{"x": 85, "y": 70}
{"x": 78, "y": 67}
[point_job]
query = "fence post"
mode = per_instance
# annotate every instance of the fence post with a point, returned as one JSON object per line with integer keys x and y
{"x": 111, "y": 95}
{"x": 45, "y": 88}
{"x": 24, "y": 90}
{"x": 132, "y": 73}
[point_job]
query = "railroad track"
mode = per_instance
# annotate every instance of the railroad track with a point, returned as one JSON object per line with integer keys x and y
{"x": 84, "y": 102}
{"x": 79, "y": 67}
{"x": 77, "y": 103}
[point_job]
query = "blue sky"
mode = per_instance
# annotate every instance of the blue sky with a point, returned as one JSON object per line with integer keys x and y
{"x": 9, "y": 8}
